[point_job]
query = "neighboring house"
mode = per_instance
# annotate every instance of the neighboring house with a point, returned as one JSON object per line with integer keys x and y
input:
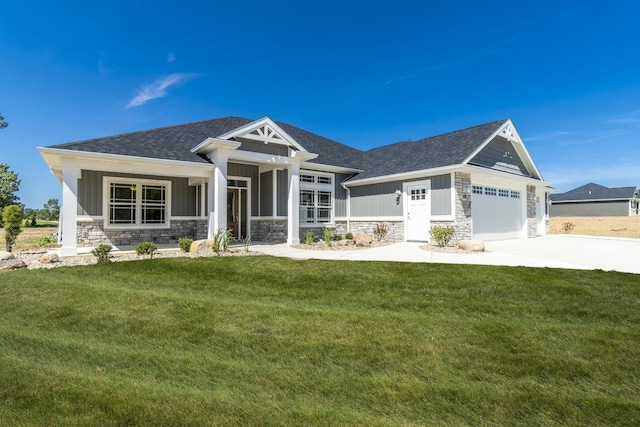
{"x": 274, "y": 181}
{"x": 596, "y": 200}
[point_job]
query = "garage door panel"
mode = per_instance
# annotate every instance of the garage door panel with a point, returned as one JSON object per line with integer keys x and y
{"x": 496, "y": 217}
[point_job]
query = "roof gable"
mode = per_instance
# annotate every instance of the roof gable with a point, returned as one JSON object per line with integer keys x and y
{"x": 263, "y": 130}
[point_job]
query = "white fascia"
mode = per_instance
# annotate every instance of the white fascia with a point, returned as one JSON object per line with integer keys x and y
{"x": 54, "y": 157}
{"x": 328, "y": 168}
{"x": 404, "y": 176}
{"x": 589, "y": 200}
{"x": 211, "y": 144}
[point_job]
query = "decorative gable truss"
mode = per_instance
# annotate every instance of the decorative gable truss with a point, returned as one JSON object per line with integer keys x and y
{"x": 263, "y": 130}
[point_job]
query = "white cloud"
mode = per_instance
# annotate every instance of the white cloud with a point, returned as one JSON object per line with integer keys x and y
{"x": 615, "y": 175}
{"x": 550, "y": 135}
{"x": 158, "y": 89}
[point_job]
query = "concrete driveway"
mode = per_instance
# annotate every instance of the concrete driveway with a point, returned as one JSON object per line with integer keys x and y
{"x": 555, "y": 251}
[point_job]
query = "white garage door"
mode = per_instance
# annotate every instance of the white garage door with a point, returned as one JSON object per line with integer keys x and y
{"x": 496, "y": 213}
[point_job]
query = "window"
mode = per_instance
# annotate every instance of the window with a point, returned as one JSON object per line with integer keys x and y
{"x": 515, "y": 194}
{"x": 503, "y": 193}
{"x": 316, "y": 198}
{"x": 419, "y": 194}
{"x": 136, "y": 203}
{"x": 477, "y": 189}
{"x": 490, "y": 191}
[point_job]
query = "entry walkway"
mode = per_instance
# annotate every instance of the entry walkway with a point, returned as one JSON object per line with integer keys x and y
{"x": 554, "y": 251}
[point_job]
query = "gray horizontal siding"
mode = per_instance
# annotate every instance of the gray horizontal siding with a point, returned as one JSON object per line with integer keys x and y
{"x": 380, "y": 199}
{"x": 183, "y": 196}
{"x": 261, "y": 147}
{"x": 500, "y": 155}
{"x": 618, "y": 208}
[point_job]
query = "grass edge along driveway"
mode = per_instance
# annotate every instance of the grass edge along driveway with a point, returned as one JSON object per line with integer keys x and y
{"x": 272, "y": 341}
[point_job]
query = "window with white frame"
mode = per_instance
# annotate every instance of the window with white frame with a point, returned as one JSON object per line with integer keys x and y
{"x": 515, "y": 194}
{"x": 316, "y": 198}
{"x": 136, "y": 203}
{"x": 477, "y": 189}
{"x": 490, "y": 191}
{"x": 503, "y": 193}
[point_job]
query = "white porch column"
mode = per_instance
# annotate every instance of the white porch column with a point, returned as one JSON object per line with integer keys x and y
{"x": 69, "y": 224}
{"x": 220, "y": 159}
{"x": 293, "y": 204}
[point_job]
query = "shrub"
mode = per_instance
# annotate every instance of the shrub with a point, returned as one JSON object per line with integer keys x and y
{"x": 146, "y": 248}
{"x": 336, "y": 237}
{"x": 380, "y": 231}
{"x": 326, "y": 235}
{"x": 221, "y": 241}
{"x": 309, "y": 237}
{"x": 567, "y": 227}
{"x": 348, "y": 236}
{"x": 47, "y": 240}
{"x": 441, "y": 234}
{"x": 12, "y": 223}
{"x": 102, "y": 252}
{"x": 185, "y": 244}
{"x": 247, "y": 242}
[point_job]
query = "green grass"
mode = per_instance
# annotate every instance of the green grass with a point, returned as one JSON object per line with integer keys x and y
{"x": 271, "y": 341}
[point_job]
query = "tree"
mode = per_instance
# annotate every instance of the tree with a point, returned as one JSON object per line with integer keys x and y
{"x": 9, "y": 184}
{"x": 3, "y": 124}
{"x": 51, "y": 209}
{"x": 12, "y": 219}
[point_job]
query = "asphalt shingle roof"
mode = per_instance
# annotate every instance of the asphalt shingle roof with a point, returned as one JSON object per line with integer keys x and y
{"x": 443, "y": 150}
{"x": 176, "y": 142}
{"x": 592, "y": 191}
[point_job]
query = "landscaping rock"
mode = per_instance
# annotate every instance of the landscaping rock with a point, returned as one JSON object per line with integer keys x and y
{"x": 362, "y": 240}
{"x": 345, "y": 242}
{"x": 471, "y": 245}
{"x": 11, "y": 264}
{"x": 6, "y": 256}
{"x": 201, "y": 247}
{"x": 49, "y": 258}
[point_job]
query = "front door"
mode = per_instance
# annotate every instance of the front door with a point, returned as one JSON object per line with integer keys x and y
{"x": 237, "y": 212}
{"x": 418, "y": 210}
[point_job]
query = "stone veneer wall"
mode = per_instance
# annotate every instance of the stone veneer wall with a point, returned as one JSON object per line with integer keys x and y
{"x": 463, "y": 225}
{"x": 532, "y": 227}
{"x": 92, "y": 233}
{"x": 269, "y": 230}
{"x": 395, "y": 229}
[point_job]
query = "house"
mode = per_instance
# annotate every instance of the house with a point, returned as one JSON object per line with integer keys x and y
{"x": 274, "y": 182}
{"x": 596, "y": 200}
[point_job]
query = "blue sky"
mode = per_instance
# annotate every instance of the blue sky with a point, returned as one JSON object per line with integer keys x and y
{"x": 566, "y": 72}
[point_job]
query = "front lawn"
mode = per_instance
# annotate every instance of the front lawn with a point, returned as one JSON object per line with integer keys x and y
{"x": 273, "y": 341}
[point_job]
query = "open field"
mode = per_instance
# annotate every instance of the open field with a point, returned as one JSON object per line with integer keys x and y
{"x": 28, "y": 239}
{"x": 274, "y": 341}
{"x": 611, "y": 226}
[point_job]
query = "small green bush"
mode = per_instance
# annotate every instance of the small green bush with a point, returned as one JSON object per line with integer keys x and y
{"x": 441, "y": 234}
{"x": 309, "y": 237}
{"x": 348, "y": 236}
{"x": 326, "y": 234}
{"x": 221, "y": 241}
{"x": 185, "y": 244}
{"x": 146, "y": 248}
{"x": 47, "y": 240}
{"x": 336, "y": 237}
{"x": 567, "y": 227}
{"x": 102, "y": 252}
